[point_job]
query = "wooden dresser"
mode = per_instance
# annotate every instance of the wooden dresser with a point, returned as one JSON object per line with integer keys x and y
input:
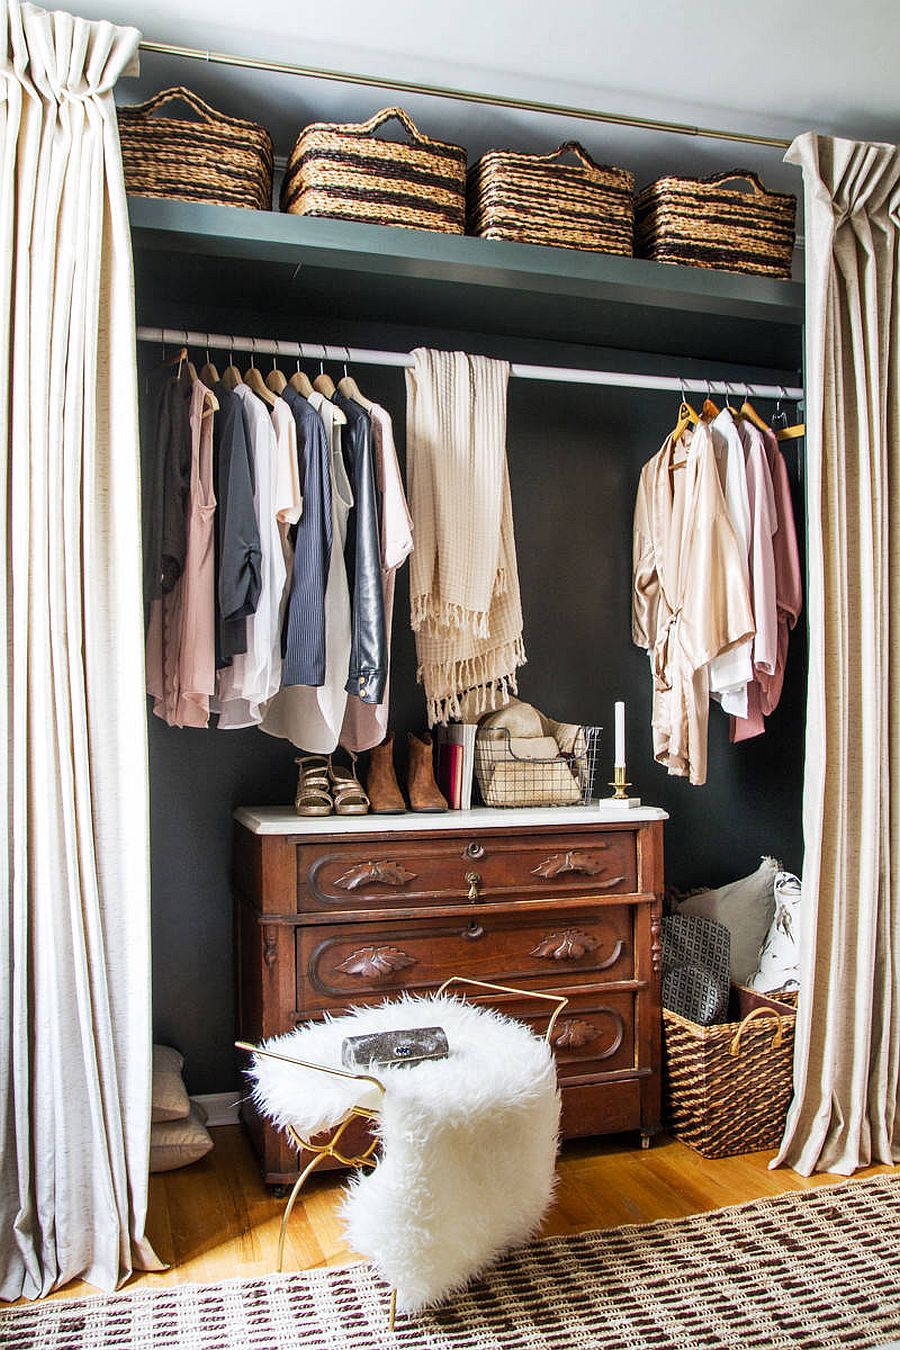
{"x": 351, "y": 909}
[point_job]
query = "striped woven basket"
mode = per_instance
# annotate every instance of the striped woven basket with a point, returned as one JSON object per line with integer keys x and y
{"x": 704, "y": 222}
{"x": 344, "y": 170}
{"x": 214, "y": 158}
{"x": 535, "y": 199}
{"x": 726, "y": 1088}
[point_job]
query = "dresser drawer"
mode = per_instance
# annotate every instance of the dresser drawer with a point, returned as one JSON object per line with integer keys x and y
{"x": 341, "y": 963}
{"x": 442, "y": 870}
{"x": 593, "y": 1035}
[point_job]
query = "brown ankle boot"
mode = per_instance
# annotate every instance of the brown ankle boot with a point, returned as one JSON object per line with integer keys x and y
{"x": 424, "y": 793}
{"x": 381, "y": 781}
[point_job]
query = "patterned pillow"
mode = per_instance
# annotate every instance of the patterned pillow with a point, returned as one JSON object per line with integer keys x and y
{"x": 779, "y": 960}
{"x": 695, "y": 968}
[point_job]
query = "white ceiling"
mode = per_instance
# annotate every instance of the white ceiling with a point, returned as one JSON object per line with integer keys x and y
{"x": 774, "y": 67}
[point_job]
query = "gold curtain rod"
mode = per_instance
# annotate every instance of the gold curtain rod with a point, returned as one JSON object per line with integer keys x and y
{"x": 460, "y": 95}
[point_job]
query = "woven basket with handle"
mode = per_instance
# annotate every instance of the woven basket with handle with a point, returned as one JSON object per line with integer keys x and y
{"x": 716, "y": 222}
{"x": 537, "y": 199}
{"x": 726, "y": 1088}
{"x": 343, "y": 170}
{"x": 210, "y": 158}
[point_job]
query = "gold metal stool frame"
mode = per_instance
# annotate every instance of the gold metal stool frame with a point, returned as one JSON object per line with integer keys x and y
{"x": 367, "y": 1158}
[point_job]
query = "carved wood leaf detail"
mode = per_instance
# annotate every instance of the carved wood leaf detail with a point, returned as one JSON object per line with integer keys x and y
{"x": 371, "y": 962}
{"x": 574, "y": 860}
{"x": 387, "y": 872}
{"x": 573, "y": 1033}
{"x": 569, "y": 945}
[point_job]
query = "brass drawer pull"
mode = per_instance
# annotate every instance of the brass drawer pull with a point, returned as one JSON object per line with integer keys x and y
{"x": 474, "y": 880}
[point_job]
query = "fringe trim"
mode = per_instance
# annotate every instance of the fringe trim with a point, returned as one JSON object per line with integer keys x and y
{"x": 474, "y": 680}
{"x": 425, "y": 611}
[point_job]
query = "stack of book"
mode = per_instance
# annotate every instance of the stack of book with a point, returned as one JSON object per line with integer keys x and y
{"x": 455, "y": 763}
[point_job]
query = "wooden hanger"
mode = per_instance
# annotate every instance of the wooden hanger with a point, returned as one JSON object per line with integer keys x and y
{"x": 324, "y": 384}
{"x": 275, "y": 380}
{"x": 749, "y": 412}
{"x": 231, "y": 376}
{"x": 350, "y": 389}
{"x": 209, "y": 375}
{"x": 211, "y": 402}
{"x": 254, "y": 380}
{"x": 687, "y": 417}
{"x": 793, "y": 433}
{"x": 300, "y": 382}
{"x": 785, "y": 432}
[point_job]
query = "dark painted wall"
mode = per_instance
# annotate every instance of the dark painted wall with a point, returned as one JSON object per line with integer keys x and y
{"x": 575, "y": 454}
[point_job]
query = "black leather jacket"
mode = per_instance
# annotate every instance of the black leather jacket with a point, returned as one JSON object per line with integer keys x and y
{"x": 368, "y": 647}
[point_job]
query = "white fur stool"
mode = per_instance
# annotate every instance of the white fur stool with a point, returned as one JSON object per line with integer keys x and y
{"x": 467, "y": 1144}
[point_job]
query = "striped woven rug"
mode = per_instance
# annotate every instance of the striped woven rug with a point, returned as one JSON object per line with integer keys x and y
{"x": 813, "y": 1269}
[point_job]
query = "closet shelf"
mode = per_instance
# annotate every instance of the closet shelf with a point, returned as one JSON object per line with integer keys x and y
{"x": 224, "y": 257}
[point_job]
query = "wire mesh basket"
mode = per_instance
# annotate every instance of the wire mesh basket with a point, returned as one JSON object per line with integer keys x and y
{"x": 508, "y": 775}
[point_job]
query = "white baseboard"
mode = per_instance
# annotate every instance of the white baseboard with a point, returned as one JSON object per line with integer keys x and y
{"x": 221, "y": 1107}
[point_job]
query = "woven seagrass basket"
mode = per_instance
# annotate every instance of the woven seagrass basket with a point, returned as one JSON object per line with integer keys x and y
{"x": 343, "y": 170}
{"x": 709, "y": 222}
{"x": 726, "y": 1088}
{"x": 213, "y": 158}
{"x": 535, "y": 199}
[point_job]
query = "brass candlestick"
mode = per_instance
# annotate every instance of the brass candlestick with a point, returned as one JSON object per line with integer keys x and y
{"x": 620, "y": 785}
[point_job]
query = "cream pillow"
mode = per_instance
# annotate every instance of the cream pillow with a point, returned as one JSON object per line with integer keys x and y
{"x": 169, "y": 1095}
{"x": 746, "y": 908}
{"x": 176, "y": 1143}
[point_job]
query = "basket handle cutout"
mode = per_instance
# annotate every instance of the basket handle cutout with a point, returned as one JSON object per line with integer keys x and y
{"x": 739, "y": 176}
{"x": 571, "y": 148}
{"x": 402, "y": 116}
{"x": 178, "y": 94}
{"x": 735, "y": 1047}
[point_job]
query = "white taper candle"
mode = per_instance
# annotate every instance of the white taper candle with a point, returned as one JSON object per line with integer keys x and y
{"x": 620, "y": 735}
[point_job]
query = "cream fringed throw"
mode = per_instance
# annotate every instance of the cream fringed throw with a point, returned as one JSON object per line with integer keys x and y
{"x": 464, "y": 583}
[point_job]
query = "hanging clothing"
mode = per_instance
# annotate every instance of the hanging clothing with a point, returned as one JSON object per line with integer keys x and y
{"x": 238, "y": 553}
{"x": 168, "y": 487}
{"x": 254, "y": 676}
{"x": 368, "y": 655}
{"x": 288, "y": 493}
{"x": 732, "y": 672}
{"x": 464, "y": 584}
{"x": 304, "y": 645}
{"x": 764, "y": 522}
{"x": 311, "y": 718}
{"x": 181, "y": 633}
{"x": 366, "y": 724}
{"x": 764, "y": 693}
{"x": 689, "y": 600}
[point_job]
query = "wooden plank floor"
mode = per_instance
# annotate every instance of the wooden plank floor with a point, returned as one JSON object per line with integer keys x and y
{"x": 216, "y": 1220}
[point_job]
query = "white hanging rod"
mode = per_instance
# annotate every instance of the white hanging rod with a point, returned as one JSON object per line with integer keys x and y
{"x": 366, "y": 356}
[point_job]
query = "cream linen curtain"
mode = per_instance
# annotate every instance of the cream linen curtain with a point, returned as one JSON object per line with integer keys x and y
{"x": 74, "y": 920}
{"x": 844, "y": 1114}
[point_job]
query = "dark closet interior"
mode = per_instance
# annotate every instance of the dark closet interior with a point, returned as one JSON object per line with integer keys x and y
{"x": 575, "y": 454}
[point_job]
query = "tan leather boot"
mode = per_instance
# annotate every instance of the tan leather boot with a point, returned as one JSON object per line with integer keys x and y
{"x": 424, "y": 793}
{"x": 381, "y": 781}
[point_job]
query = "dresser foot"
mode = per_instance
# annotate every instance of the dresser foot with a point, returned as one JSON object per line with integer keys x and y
{"x": 646, "y": 1139}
